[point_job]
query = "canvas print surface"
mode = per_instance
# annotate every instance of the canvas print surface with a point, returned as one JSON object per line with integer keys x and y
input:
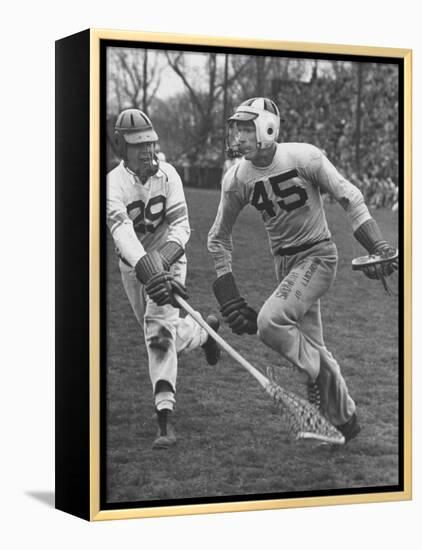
{"x": 246, "y": 183}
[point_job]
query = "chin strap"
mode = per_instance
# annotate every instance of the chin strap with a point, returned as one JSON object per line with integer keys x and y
{"x": 150, "y": 171}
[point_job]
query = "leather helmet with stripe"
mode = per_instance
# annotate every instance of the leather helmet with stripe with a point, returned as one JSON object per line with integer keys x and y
{"x": 133, "y": 126}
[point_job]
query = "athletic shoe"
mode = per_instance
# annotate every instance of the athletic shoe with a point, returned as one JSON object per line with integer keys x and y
{"x": 211, "y": 349}
{"x": 350, "y": 429}
{"x": 314, "y": 395}
{"x": 166, "y": 436}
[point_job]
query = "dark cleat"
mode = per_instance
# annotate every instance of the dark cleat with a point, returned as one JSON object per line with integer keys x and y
{"x": 165, "y": 441}
{"x": 211, "y": 349}
{"x": 350, "y": 429}
{"x": 166, "y": 436}
{"x": 314, "y": 395}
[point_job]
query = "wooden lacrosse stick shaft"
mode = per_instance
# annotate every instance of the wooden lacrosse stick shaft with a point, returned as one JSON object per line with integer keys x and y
{"x": 295, "y": 406}
{"x": 263, "y": 380}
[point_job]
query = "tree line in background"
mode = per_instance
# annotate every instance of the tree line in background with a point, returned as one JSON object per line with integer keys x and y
{"x": 349, "y": 110}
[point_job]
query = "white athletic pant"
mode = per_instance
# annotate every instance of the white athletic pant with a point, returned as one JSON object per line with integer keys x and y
{"x": 166, "y": 333}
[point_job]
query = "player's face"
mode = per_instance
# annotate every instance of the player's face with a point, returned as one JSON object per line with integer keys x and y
{"x": 246, "y": 137}
{"x": 140, "y": 157}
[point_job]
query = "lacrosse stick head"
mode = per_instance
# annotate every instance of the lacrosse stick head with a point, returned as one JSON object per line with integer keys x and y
{"x": 378, "y": 266}
{"x": 304, "y": 421}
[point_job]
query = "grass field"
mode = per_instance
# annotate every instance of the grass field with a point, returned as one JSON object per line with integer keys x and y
{"x": 230, "y": 440}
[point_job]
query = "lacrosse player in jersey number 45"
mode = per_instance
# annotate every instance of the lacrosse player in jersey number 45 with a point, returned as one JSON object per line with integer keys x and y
{"x": 148, "y": 219}
{"x": 284, "y": 183}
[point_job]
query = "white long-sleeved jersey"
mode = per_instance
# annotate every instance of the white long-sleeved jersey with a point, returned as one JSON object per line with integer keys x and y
{"x": 142, "y": 217}
{"x": 287, "y": 193}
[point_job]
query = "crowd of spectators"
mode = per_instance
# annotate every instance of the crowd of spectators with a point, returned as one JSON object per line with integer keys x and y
{"x": 352, "y": 118}
{"x": 364, "y": 145}
{"x": 378, "y": 192}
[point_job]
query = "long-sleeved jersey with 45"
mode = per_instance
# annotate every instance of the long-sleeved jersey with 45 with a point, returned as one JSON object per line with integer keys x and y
{"x": 142, "y": 217}
{"x": 287, "y": 193}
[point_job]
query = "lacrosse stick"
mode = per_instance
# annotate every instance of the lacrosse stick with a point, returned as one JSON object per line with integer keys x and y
{"x": 303, "y": 419}
{"x": 376, "y": 263}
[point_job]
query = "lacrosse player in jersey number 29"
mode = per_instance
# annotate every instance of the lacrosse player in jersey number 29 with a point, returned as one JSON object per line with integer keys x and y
{"x": 284, "y": 181}
{"x": 148, "y": 219}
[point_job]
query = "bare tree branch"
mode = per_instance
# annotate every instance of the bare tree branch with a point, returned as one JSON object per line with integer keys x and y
{"x": 154, "y": 76}
{"x": 128, "y": 71}
{"x": 115, "y": 81}
{"x": 174, "y": 64}
{"x": 231, "y": 79}
{"x": 212, "y": 69}
{"x": 137, "y": 78}
{"x": 153, "y": 92}
{"x": 133, "y": 80}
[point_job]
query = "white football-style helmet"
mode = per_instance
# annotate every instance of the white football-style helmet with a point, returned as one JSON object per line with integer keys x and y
{"x": 264, "y": 113}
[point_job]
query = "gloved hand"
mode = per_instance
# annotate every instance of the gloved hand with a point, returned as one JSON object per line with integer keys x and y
{"x": 385, "y": 250}
{"x": 240, "y": 317}
{"x": 160, "y": 285}
{"x": 370, "y": 237}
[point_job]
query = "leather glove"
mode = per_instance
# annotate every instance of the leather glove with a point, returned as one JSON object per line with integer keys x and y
{"x": 240, "y": 317}
{"x": 162, "y": 287}
{"x": 159, "y": 283}
{"x": 370, "y": 237}
{"x": 386, "y": 269}
{"x": 236, "y": 312}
